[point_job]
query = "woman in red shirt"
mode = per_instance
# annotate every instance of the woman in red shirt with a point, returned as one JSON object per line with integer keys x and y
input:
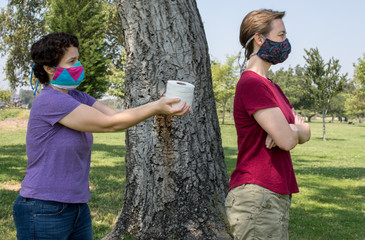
{"x": 267, "y": 129}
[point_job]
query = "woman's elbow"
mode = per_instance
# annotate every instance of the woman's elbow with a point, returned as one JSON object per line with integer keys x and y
{"x": 289, "y": 143}
{"x": 287, "y": 147}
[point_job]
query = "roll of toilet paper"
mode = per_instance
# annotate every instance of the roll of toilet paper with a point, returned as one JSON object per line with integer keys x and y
{"x": 182, "y": 90}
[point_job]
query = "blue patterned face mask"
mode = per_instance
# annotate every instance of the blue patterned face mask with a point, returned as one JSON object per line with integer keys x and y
{"x": 274, "y": 52}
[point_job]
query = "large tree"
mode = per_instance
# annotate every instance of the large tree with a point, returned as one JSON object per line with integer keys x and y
{"x": 326, "y": 79}
{"x": 176, "y": 178}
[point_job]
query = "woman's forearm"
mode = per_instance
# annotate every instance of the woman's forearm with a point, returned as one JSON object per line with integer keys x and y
{"x": 133, "y": 116}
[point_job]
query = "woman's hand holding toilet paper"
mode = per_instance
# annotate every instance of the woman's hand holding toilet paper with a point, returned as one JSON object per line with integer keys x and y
{"x": 164, "y": 106}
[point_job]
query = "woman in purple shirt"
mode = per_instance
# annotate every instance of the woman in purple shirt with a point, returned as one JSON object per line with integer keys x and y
{"x": 52, "y": 203}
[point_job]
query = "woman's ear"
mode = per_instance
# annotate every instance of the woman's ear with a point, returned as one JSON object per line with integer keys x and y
{"x": 49, "y": 70}
{"x": 259, "y": 40}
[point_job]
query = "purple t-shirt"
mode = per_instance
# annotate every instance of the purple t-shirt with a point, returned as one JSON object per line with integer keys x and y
{"x": 58, "y": 156}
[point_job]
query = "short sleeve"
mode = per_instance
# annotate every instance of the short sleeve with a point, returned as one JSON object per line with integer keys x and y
{"x": 254, "y": 94}
{"x": 82, "y": 97}
{"x": 53, "y": 107}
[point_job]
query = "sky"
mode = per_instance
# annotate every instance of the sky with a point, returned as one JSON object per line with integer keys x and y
{"x": 335, "y": 27}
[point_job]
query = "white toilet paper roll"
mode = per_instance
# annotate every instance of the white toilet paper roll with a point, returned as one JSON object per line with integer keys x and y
{"x": 182, "y": 90}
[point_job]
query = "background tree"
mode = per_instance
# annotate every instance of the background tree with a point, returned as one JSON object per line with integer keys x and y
{"x": 116, "y": 78}
{"x": 5, "y": 96}
{"x": 297, "y": 89}
{"x": 355, "y": 104}
{"x": 225, "y": 77}
{"x": 21, "y": 23}
{"x": 337, "y": 106}
{"x": 176, "y": 178}
{"x": 359, "y": 75}
{"x": 325, "y": 78}
{"x": 86, "y": 20}
{"x": 114, "y": 38}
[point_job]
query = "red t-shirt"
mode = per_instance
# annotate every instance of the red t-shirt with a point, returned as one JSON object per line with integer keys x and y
{"x": 269, "y": 168}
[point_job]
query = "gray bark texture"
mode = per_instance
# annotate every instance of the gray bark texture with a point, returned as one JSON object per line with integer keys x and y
{"x": 176, "y": 175}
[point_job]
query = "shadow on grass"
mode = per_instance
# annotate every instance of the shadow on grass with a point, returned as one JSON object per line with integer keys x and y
{"x": 109, "y": 150}
{"x": 328, "y": 212}
{"x": 7, "y": 199}
{"x": 230, "y": 155}
{"x": 12, "y": 162}
{"x": 325, "y": 210}
{"x": 354, "y": 173}
{"x": 107, "y": 181}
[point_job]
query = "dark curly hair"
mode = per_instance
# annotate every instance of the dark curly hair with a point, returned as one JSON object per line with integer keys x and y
{"x": 49, "y": 51}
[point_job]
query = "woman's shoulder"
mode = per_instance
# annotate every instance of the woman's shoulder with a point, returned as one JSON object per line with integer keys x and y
{"x": 250, "y": 79}
{"x": 82, "y": 97}
{"x": 48, "y": 94}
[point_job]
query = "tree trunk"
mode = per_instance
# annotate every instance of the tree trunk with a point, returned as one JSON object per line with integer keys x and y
{"x": 324, "y": 124}
{"x": 176, "y": 177}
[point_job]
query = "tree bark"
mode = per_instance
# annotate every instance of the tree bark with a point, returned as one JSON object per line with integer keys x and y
{"x": 176, "y": 178}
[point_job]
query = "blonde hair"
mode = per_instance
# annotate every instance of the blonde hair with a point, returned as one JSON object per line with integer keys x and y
{"x": 258, "y": 21}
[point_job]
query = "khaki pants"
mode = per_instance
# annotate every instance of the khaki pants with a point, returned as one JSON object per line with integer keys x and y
{"x": 255, "y": 212}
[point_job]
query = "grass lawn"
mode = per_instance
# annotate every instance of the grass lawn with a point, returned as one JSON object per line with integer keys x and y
{"x": 331, "y": 177}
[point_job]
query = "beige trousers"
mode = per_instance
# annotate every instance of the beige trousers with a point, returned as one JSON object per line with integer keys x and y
{"x": 255, "y": 212}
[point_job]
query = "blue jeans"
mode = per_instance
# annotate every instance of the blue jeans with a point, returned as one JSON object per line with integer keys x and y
{"x": 37, "y": 219}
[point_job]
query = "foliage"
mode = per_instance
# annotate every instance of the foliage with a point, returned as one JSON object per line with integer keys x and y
{"x": 225, "y": 77}
{"x": 21, "y": 23}
{"x": 297, "y": 89}
{"x": 116, "y": 79}
{"x": 114, "y": 37}
{"x": 337, "y": 105}
{"x": 5, "y": 96}
{"x": 355, "y": 104}
{"x": 325, "y": 78}
{"x": 359, "y": 75}
{"x": 85, "y": 19}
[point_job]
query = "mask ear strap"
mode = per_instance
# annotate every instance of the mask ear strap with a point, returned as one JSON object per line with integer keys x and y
{"x": 243, "y": 65}
{"x": 31, "y": 76}
{"x": 249, "y": 40}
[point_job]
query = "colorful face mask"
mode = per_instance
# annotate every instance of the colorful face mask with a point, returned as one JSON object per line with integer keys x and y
{"x": 68, "y": 78}
{"x": 274, "y": 52}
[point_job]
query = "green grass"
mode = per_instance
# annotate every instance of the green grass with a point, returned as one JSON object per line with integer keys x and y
{"x": 14, "y": 113}
{"x": 331, "y": 178}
